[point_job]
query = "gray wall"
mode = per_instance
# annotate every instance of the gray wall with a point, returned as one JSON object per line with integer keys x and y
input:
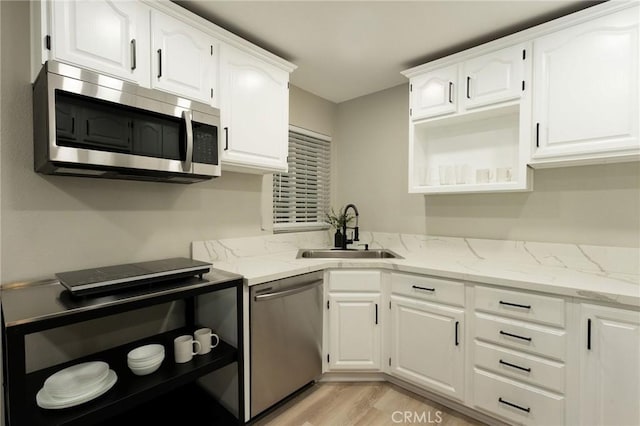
{"x": 56, "y": 223}
{"x": 589, "y": 204}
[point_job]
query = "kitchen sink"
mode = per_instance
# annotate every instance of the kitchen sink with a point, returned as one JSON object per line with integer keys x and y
{"x": 347, "y": 254}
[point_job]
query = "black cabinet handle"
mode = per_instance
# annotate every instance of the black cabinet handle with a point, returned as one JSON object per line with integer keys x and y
{"x": 376, "y": 314}
{"x": 504, "y": 333}
{"x": 537, "y": 135}
{"x": 450, "y": 92}
{"x": 457, "y": 327}
{"x": 515, "y": 305}
{"x": 468, "y": 84}
{"x": 133, "y": 55}
{"x": 159, "y": 63}
{"x": 511, "y": 404}
{"x": 417, "y": 287}
{"x": 226, "y": 138}
{"x": 508, "y": 364}
{"x": 589, "y": 334}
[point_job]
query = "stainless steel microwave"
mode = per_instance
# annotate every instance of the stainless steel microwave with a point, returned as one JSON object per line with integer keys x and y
{"x": 88, "y": 124}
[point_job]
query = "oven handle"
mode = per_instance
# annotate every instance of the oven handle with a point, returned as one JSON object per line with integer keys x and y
{"x": 291, "y": 290}
{"x": 186, "y": 165}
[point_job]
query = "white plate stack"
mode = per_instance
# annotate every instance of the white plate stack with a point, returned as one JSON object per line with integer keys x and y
{"x": 76, "y": 385}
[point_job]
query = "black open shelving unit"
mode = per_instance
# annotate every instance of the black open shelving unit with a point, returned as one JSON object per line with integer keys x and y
{"x": 171, "y": 389}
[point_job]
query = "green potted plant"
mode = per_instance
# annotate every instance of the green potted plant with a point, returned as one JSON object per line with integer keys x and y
{"x": 338, "y": 221}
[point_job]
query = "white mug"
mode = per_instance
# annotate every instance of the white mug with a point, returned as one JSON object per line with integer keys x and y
{"x": 503, "y": 174}
{"x": 447, "y": 174}
{"x": 183, "y": 348}
{"x": 462, "y": 172}
{"x": 483, "y": 176}
{"x": 204, "y": 337}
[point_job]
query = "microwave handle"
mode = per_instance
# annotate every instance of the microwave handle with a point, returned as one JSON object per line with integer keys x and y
{"x": 186, "y": 165}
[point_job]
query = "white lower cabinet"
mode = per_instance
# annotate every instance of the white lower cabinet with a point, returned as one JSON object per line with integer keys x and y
{"x": 609, "y": 366}
{"x": 355, "y": 331}
{"x": 516, "y": 401}
{"x": 427, "y": 347}
{"x": 519, "y": 371}
{"x": 532, "y": 358}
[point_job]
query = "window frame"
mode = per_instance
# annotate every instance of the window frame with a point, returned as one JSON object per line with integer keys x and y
{"x": 289, "y": 226}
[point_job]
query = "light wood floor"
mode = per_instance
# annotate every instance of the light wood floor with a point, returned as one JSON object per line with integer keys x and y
{"x": 364, "y": 404}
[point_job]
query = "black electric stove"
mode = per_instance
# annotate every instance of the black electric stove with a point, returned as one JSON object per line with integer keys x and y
{"x": 114, "y": 278}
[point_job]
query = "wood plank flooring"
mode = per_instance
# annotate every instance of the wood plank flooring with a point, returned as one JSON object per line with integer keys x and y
{"x": 362, "y": 404}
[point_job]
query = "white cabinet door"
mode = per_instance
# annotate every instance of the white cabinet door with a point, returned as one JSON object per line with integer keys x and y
{"x": 183, "y": 60}
{"x": 427, "y": 345}
{"x": 586, "y": 90}
{"x": 609, "y": 366}
{"x": 494, "y": 77}
{"x": 255, "y": 113}
{"x": 108, "y": 36}
{"x": 354, "y": 331}
{"x": 434, "y": 93}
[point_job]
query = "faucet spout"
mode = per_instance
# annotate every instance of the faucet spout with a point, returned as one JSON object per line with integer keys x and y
{"x": 345, "y": 241}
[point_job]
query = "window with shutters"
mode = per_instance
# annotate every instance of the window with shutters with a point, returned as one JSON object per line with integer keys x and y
{"x": 301, "y": 196}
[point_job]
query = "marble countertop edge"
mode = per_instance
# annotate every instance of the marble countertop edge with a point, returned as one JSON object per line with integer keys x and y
{"x": 263, "y": 269}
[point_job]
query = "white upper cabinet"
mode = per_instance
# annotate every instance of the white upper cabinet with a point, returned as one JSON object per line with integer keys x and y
{"x": 183, "y": 58}
{"x": 434, "y": 93}
{"x": 254, "y": 113}
{"x": 470, "y": 123}
{"x": 586, "y": 92}
{"x": 484, "y": 80}
{"x": 609, "y": 368}
{"x": 107, "y": 36}
{"x": 494, "y": 77}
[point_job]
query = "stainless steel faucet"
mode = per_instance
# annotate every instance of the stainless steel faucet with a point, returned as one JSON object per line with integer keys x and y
{"x": 345, "y": 241}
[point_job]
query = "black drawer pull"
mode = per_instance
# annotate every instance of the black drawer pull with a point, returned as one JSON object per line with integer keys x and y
{"x": 376, "y": 314}
{"x": 226, "y": 138}
{"x": 589, "y": 334}
{"x": 528, "y": 370}
{"x": 468, "y": 84}
{"x": 510, "y": 404}
{"x": 159, "y": 63}
{"x": 515, "y": 305}
{"x": 417, "y": 287}
{"x": 504, "y": 333}
{"x": 457, "y": 326}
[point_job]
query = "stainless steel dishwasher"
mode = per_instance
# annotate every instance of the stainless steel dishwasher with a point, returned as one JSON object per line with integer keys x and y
{"x": 286, "y": 338}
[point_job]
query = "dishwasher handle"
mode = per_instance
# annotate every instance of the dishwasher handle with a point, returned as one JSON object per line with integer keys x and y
{"x": 288, "y": 291}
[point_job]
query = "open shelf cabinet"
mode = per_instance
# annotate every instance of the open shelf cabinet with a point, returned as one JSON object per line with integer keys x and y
{"x": 479, "y": 151}
{"x": 131, "y": 394}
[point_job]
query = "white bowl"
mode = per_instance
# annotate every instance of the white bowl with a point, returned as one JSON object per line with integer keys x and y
{"x": 77, "y": 379}
{"x": 143, "y": 370}
{"x": 148, "y": 361}
{"x": 146, "y": 353}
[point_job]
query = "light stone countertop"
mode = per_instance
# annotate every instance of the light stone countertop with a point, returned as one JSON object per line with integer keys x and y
{"x": 605, "y": 274}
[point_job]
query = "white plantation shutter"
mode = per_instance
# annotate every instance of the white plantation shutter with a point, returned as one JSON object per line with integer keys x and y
{"x": 301, "y": 196}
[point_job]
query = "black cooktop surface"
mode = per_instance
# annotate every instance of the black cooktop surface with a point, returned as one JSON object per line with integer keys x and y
{"x": 108, "y": 278}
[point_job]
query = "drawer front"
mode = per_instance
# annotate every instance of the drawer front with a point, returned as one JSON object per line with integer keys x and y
{"x": 427, "y": 288}
{"x": 520, "y": 366}
{"x": 516, "y": 401}
{"x": 521, "y": 305}
{"x": 527, "y": 337}
{"x": 356, "y": 280}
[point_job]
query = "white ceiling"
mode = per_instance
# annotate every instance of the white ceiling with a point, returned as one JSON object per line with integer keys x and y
{"x": 346, "y": 49}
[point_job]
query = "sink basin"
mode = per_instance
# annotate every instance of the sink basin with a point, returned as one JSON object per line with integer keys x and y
{"x": 347, "y": 254}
